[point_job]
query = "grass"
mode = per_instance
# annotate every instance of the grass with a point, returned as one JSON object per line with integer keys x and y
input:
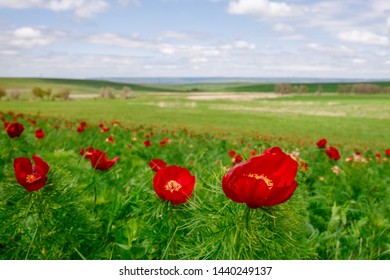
{"x": 85, "y": 86}
{"x": 355, "y": 121}
{"x": 339, "y": 211}
{"x": 77, "y": 86}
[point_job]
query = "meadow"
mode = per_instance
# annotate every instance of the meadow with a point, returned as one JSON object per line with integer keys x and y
{"x": 340, "y": 209}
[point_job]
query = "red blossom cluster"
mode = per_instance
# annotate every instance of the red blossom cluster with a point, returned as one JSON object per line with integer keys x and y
{"x": 81, "y": 127}
{"x": 14, "y": 129}
{"x": 31, "y": 177}
{"x": 172, "y": 183}
{"x": 236, "y": 158}
{"x": 98, "y": 158}
{"x": 331, "y": 152}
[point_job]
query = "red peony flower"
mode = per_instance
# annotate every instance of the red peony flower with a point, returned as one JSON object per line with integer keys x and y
{"x": 321, "y": 143}
{"x": 265, "y": 180}
{"x": 147, "y": 143}
{"x": 81, "y": 127}
{"x": 110, "y": 139}
{"x": 104, "y": 129}
{"x": 165, "y": 141}
{"x": 333, "y": 153}
{"x": 14, "y": 129}
{"x": 32, "y": 178}
{"x": 39, "y": 133}
{"x": 100, "y": 161}
{"x": 88, "y": 153}
{"x": 387, "y": 152}
{"x": 232, "y": 153}
{"x": 157, "y": 164}
{"x": 237, "y": 159}
{"x": 174, "y": 183}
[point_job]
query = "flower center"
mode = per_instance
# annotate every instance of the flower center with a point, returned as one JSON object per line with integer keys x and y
{"x": 31, "y": 178}
{"x": 172, "y": 186}
{"x": 265, "y": 179}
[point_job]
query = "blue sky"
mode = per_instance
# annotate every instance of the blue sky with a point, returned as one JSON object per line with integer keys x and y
{"x": 195, "y": 38}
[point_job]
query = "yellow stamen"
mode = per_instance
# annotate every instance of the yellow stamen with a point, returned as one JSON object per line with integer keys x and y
{"x": 31, "y": 178}
{"x": 265, "y": 179}
{"x": 172, "y": 186}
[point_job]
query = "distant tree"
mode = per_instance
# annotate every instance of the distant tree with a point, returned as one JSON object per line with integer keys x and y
{"x": 37, "y": 92}
{"x": 62, "y": 94}
{"x": 283, "y": 88}
{"x": 14, "y": 94}
{"x": 366, "y": 88}
{"x": 386, "y": 89}
{"x": 3, "y": 92}
{"x": 41, "y": 93}
{"x": 107, "y": 92}
{"x": 319, "y": 90}
{"x": 126, "y": 92}
{"x": 301, "y": 89}
{"x": 47, "y": 93}
{"x": 344, "y": 89}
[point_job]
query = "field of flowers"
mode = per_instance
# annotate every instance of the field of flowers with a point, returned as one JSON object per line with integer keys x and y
{"x": 87, "y": 189}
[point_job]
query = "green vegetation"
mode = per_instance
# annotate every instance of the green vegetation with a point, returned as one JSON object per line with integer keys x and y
{"x": 77, "y": 86}
{"x": 340, "y": 210}
{"x": 80, "y": 86}
{"x": 361, "y": 121}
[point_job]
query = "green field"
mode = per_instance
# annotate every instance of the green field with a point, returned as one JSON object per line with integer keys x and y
{"x": 354, "y": 120}
{"x": 340, "y": 209}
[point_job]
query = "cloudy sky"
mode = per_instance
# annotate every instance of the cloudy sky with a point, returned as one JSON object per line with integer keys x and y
{"x": 195, "y": 38}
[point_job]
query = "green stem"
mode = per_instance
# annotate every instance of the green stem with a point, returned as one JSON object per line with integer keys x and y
{"x": 241, "y": 229}
{"x": 247, "y": 216}
{"x": 172, "y": 229}
{"x": 31, "y": 243}
{"x": 95, "y": 196}
{"x": 113, "y": 210}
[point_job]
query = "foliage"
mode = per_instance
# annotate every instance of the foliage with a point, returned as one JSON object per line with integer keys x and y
{"x": 3, "y": 92}
{"x": 83, "y": 213}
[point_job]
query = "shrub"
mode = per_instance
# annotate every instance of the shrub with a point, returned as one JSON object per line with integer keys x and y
{"x": 3, "y": 92}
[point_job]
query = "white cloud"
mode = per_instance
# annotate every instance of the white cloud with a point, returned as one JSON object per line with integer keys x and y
{"x": 388, "y": 23}
{"x": 188, "y": 50}
{"x": 8, "y": 52}
{"x": 358, "y": 61}
{"x": 126, "y": 2}
{"x": 283, "y": 28}
{"x": 240, "y": 44}
{"x": 363, "y": 37}
{"x": 28, "y": 37}
{"x": 197, "y": 60}
{"x": 112, "y": 39}
{"x": 263, "y": 8}
{"x": 331, "y": 49}
{"x": 20, "y": 4}
{"x": 81, "y": 8}
{"x": 27, "y": 33}
{"x": 175, "y": 35}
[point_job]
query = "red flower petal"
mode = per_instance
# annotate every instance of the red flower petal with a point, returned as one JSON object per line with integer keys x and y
{"x": 157, "y": 164}
{"x": 264, "y": 180}
{"x": 174, "y": 183}
{"x": 32, "y": 178}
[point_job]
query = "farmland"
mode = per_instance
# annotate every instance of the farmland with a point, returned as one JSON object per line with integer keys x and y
{"x": 340, "y": 209}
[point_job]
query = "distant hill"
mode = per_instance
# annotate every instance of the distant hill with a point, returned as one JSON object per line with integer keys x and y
{"x": 93, "y": 86}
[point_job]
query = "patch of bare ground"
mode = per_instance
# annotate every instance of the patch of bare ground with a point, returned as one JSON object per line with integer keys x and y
{"x": 79, "y": 96}
{"x": 242, "y": 96}
{"x": 303, "y": 111}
